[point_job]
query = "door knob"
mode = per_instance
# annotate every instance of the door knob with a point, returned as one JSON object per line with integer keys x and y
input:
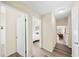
{"x": 1, "y": 27}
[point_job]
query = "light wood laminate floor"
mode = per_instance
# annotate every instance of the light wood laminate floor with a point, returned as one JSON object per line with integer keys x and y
{"x": 59, "y": 51}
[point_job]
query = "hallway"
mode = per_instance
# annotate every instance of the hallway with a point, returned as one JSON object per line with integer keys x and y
{"x": 59, "y": 51}
{"x": 54, "y": 24}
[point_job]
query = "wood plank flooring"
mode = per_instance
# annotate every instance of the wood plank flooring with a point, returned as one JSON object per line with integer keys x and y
{"x": 62, "y": 51}
{"x": 39, "y": 52}
{"x": 59, "y": 51}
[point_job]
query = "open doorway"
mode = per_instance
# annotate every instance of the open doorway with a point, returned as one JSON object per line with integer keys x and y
{"x": 64, "y": 37}
{"x": 36, "y": 28}
{"x": 36, "y": 34}
{"x": 61, "y": 35}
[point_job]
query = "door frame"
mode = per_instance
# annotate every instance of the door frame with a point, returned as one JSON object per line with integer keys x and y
{"x": 40, "y": 41}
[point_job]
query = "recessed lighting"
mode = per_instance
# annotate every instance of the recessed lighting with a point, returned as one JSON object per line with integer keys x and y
{"x": 61, "y": 11}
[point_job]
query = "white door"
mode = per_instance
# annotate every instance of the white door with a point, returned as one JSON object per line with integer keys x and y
{"x": 75, "y": 31}
{"x": 21, "y": 33}
{"x": 2, "y": 29}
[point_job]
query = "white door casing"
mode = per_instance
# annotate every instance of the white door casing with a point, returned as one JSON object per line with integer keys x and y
{"x": 49, "y": 32}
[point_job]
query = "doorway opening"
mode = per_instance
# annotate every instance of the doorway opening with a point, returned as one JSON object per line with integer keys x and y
{"x": 36, "y": 34}
{"x": 61, "y": 35}
{"x": 64, "y": 38}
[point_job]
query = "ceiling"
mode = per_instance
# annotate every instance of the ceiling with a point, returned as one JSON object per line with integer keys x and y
{"x": 43, "y": 7}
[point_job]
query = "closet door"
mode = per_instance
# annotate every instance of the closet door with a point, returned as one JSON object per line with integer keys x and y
{"x": 75, "y": 31}
{"x": 2, "y": 29}
{"x": 21, "y": 33}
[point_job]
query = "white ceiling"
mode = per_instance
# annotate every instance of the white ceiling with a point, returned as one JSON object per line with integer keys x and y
{"x": 43, "y": 7}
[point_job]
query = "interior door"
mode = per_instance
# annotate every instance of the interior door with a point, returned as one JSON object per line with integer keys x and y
{"x": 21, "y": 33}
{"x": 2, "y": 29}
{"x": 75, "y": 31}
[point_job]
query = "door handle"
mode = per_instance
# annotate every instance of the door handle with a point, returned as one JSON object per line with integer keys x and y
{"x": 2, "y": 27}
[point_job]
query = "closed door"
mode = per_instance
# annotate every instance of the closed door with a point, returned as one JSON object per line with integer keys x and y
{"x": 2, "y": 29}
{"x": 7, "y": 31}
{"x": 75, "y": 39}
{"x": 75, "y": 31}
{"x": 21, "y": 34}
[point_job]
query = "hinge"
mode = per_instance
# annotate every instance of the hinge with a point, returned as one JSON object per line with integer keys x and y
{"x": 16, "y": 37}
{"x": 25, "y": 19}
{"x": 25, "y": 51}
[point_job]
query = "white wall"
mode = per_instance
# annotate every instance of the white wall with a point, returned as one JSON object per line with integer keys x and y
{"x": 48, "y": 32}
{"x": 69, "y": 32}
{"x": 23, "y": 7}
{"x": 62, "y": 22}
{"x": 29, "y": 36}
{"x": 11, "y": 31}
